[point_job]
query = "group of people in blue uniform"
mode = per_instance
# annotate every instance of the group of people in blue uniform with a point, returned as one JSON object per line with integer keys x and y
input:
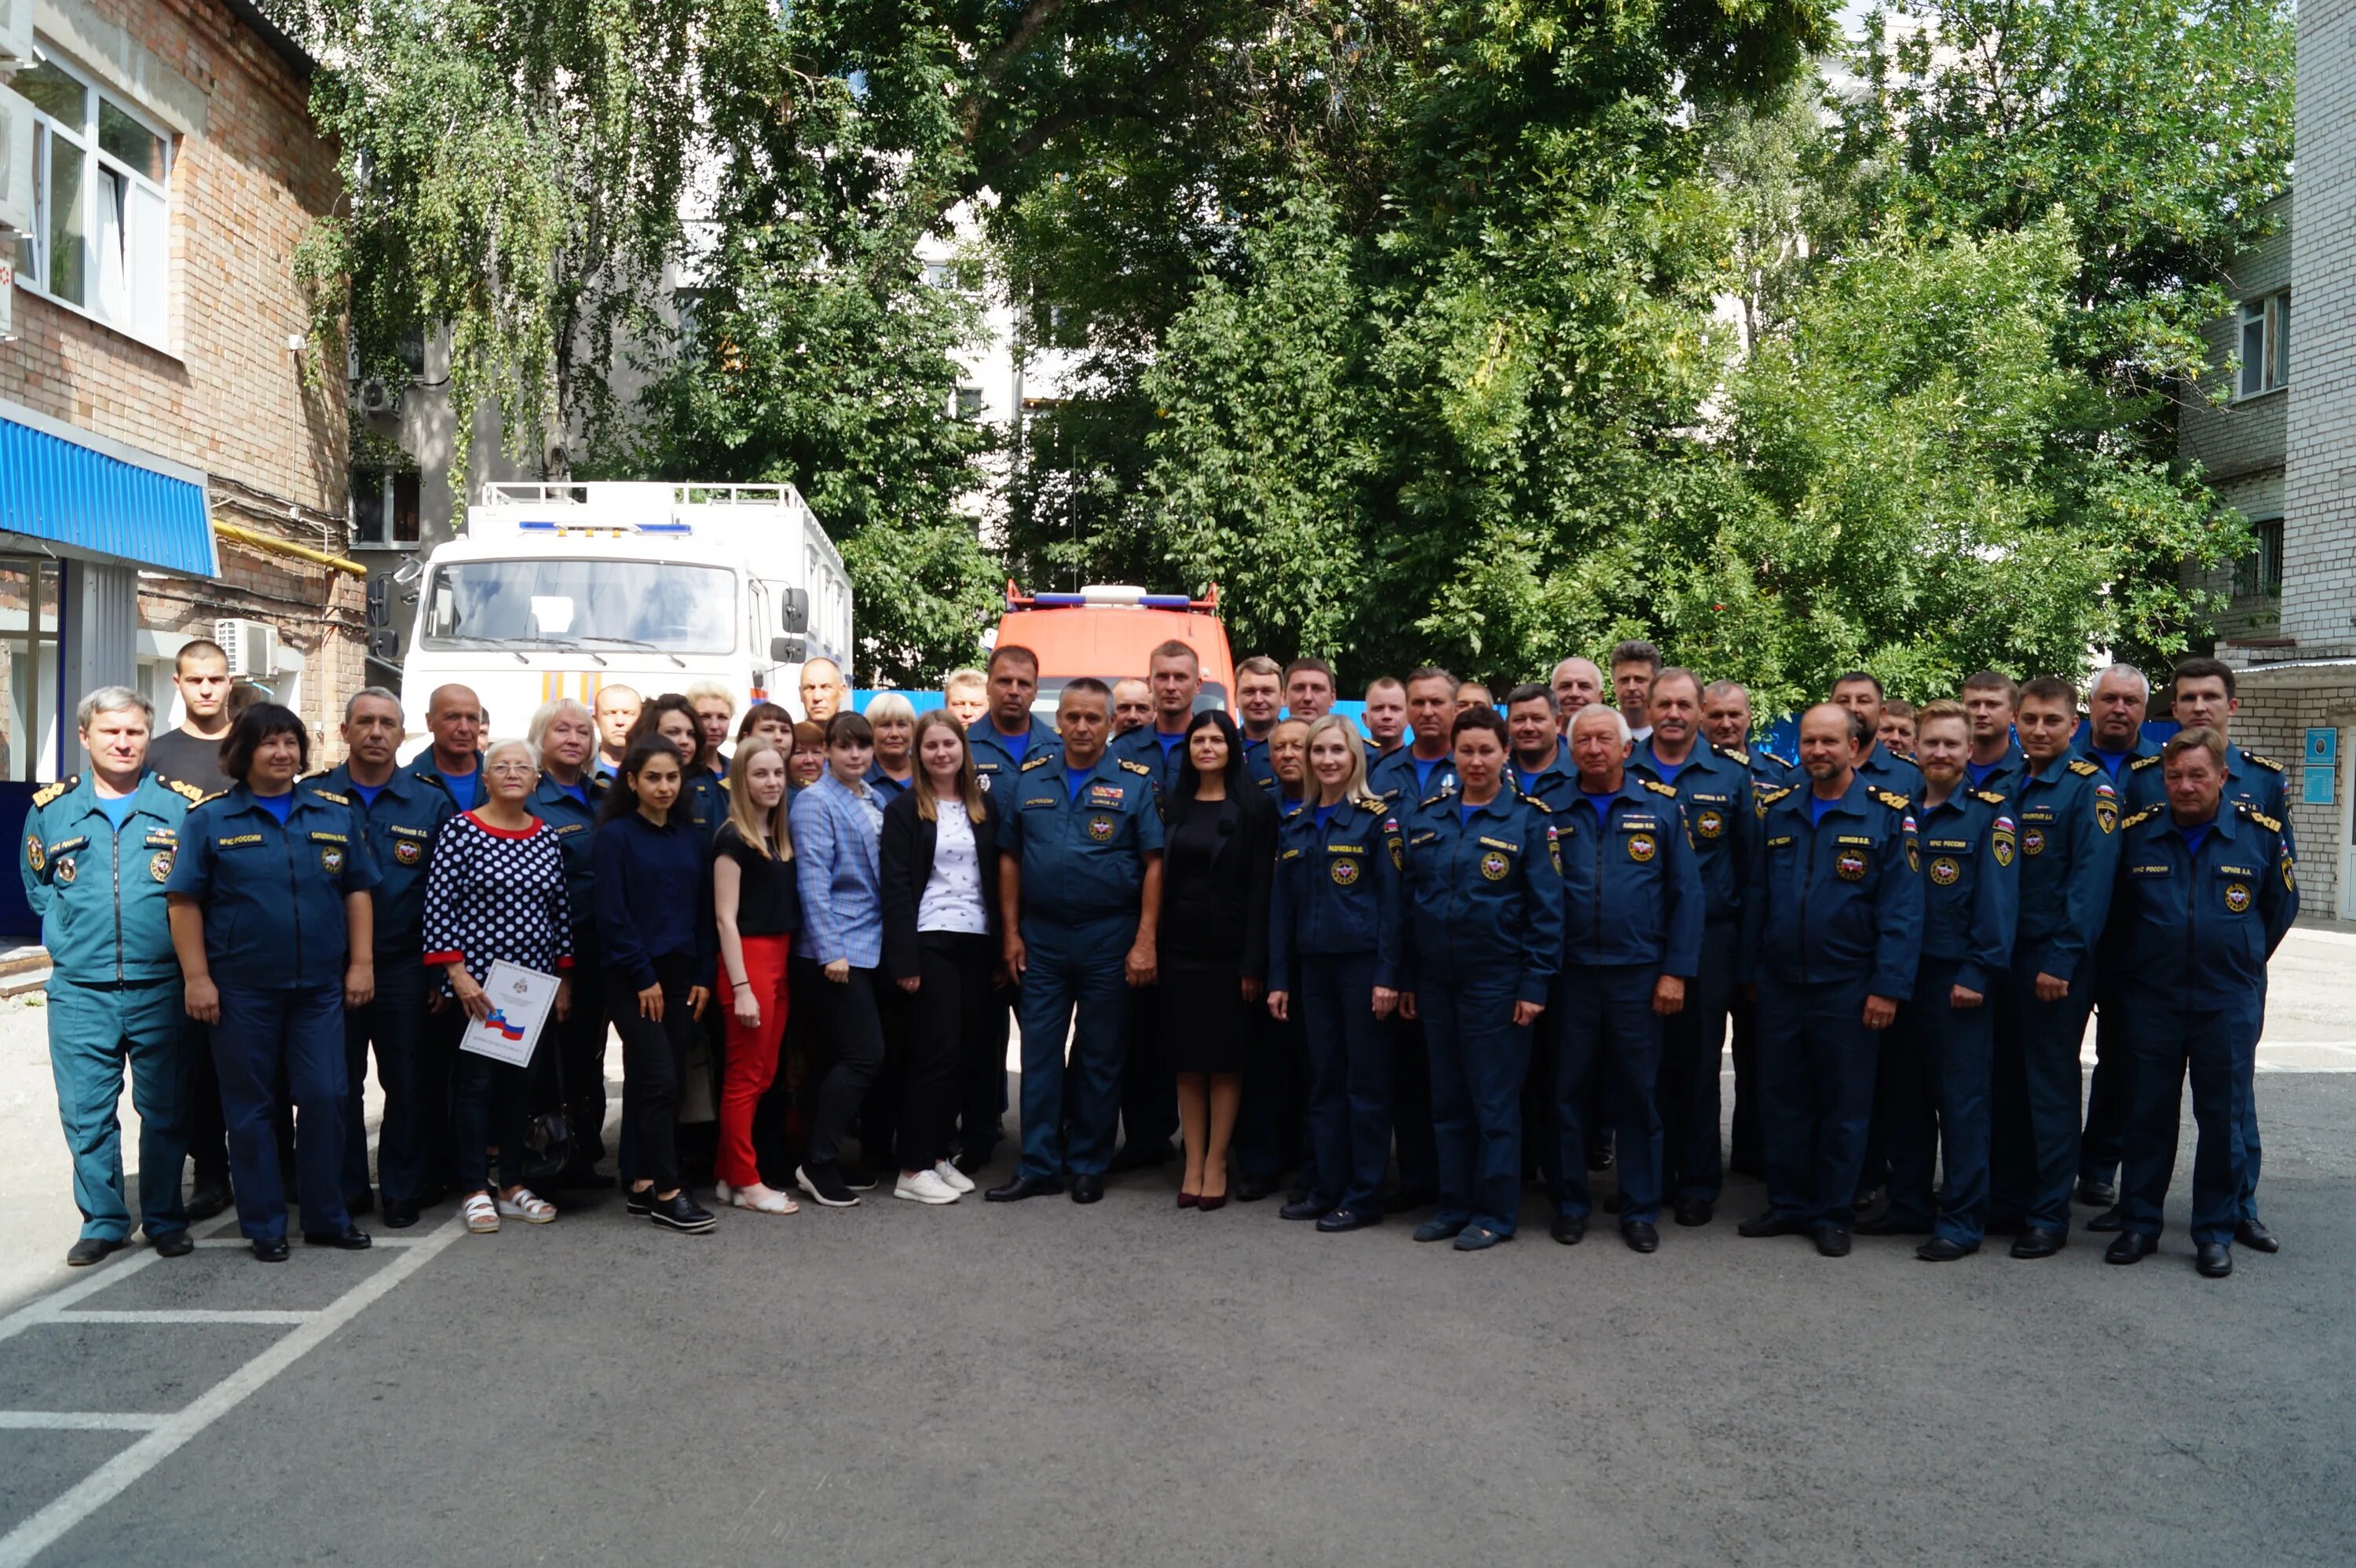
{"x": 1500, "y": 940}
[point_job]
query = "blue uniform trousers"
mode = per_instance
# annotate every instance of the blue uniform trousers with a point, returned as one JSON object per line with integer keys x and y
{"x": 1693, "y": 1043}
{"x": 2245, "y": 1119}
{"x": 298, "y": 1034}
{"x": 1479, "y": 1058}
{"x": 1607, "y": 1064}
{"x": 1350, "y": 1080}
{"x": 1933, "y": 1101}
{"x": 2034, "y": 1141}
{"x": 414, "y": 1070}
{"x": 1149, "y": 1087}
{"x": 1267, "y": 1134}
{"x": 95, "y": 1030}
{"x": 2110, "y": 1095}
{"x": 1072, "y": 969}
{"x": 2220, "y": 1051}
{"x": 1816, "y": 1062}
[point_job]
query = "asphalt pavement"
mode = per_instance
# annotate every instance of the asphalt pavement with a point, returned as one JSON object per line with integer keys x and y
{"x": 1045, "y": 1383}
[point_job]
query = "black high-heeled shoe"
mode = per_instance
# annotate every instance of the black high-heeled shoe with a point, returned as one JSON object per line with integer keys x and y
{"x": 1207, "y": 1202}
{"x": 1189, "y": 1200}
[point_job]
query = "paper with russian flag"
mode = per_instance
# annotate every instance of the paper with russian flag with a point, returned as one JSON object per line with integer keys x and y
{"x": 521, "y": 1000}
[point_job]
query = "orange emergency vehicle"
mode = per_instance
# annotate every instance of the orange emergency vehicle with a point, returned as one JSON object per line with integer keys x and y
{"x": 1110, "y": 631}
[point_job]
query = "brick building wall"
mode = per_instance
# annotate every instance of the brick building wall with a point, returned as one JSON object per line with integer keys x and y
{"x": 249, "y": 173}
{"x": 2319, "y": 537}
{"x": 2238, "y": 441}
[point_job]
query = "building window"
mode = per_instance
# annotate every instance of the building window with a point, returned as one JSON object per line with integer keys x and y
{"x": 969, "y": 402}
{"x": 384, "y": 509}
{"x": 101, "y": 233}
{"x": 2266, "y": 345}
{"x": 2260, "y": 571}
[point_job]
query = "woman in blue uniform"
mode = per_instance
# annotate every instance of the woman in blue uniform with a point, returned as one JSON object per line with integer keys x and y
{"x": 1333, "y": 964}
{"x": 274, "y": 927}
{"x": 568, "y": 798}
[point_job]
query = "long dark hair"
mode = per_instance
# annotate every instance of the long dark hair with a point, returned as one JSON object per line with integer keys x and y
{"x": 622, "y": 796}
{"x": 651, "y": 715}
{"x": 1189, "y": 777}
{"x": 255, "y": 725}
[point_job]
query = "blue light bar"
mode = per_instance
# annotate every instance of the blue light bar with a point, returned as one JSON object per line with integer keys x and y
{"x": 666, "y": 527}
{"x": 1166, "y": 602}
{"x": 1058, "y": 600}
{"x": 537, "y": 527}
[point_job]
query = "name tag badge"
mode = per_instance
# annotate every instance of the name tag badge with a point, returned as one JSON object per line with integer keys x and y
{"x": 238, "y": 841}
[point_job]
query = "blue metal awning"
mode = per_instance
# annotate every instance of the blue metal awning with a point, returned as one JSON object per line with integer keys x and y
{"x": 80, "y": 495}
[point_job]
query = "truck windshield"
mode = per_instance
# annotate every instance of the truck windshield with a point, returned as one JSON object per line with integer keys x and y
{"x": 664, "y": 606}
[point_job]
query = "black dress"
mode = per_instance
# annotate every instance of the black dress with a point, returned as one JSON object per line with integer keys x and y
{"x": 1218, "y": 861}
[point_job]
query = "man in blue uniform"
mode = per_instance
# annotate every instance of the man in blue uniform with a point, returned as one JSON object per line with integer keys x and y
{"x": 454, "y": 714}
{"x": 1423, "y": 767}
{"x": 1933, "y": 1099}
{"x": 1832, "y": 933}
{"x": 1002, "y": 741}
{"x": 1539, "y": 769}
{"x": 2207, "y": 892}
{"x": 1482, "y": 924}
{"x": 1632, "y": 916}
{"x": 1079, "y": 883}
{"x": 1384, "y": 717}
{"x": 1997, "y": 760}
{"x": 1400, "y": 778}
{"x": 1259, "y": 703}
{"x": 96, "y": 851}
{"x": 1148, "y": 1090}
{"x": 1859, "y": 691}
{"x": 2069, "y": 815}
{"x": 1726, "y": 719}
{"x": 2116, "y": 704}
{"x": 400, "y": 812}
{"x": 1714, "y": 791}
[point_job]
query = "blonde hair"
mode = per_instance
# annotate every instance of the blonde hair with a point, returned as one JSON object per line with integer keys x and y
{"x": 1355, "y": 787}
{"x": 710, "y": 691}
{"x": 744, "y": 816}
{"x": 969, "y": 781}
{"x": 959, "y": 680}
{"x": 890, "y": 705}
{"x": 549, "y": 713}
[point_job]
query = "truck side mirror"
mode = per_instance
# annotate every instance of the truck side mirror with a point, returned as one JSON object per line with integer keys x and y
{"x": 788, "y": 650}
{"x": 379, "y": 601}
{"x": 797, "y": 605}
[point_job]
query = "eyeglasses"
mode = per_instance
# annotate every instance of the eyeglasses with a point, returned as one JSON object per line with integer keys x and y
{"x": 511, "y": 767}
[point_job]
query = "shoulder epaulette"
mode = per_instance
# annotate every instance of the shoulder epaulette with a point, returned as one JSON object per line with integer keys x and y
{"x": 1534, "y": 804}
{"x": 2266, "y": 763}
{"x": 2145, "y": 815}
{"x": 47, "y": 793}
{"x": 1041, "y": 761}
{"x": 1370, "y": 802}
{"x": 207, "y": 799}
{"x": 1445, "y": 792}
{"x": 2150, "y": 761}
{"x": 1769, "y": 796}
{"x": 1993, "y": 797}
{"x": 330, "y": 794}
{"x": 2084, "y": 768}
{"x": 1295, "y": 809}
{"x": 1658, "y": 787}
{"x": 1890, "y": 798}
{"x": 1139, "y": 768}
{"x": 1734, "y": 754}
{"x": 428, "y": 776}
{"x": 2271, "y": 825}
{"x": 314, "y": 774}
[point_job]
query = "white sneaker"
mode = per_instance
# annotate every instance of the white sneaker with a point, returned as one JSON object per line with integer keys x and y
{"x": 923, "y": 1188}
{"x": 953, "y": 1178}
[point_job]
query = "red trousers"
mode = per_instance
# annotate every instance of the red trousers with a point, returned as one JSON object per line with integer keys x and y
{"x": 752, "y": 1054}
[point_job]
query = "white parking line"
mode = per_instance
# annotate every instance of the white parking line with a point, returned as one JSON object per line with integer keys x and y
{"x": 94, "y": 1491}
{"x": 113, "y": 1272}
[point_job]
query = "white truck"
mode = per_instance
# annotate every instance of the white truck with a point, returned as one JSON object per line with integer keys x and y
{"x": 558, "y": 589}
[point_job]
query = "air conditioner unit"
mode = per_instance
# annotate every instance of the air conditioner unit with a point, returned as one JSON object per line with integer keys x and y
{"x": 15, "y": 162}
{"x": 251, "y": 646}
{"x": 377, "y": 398}
{"x": 15, "y": 36}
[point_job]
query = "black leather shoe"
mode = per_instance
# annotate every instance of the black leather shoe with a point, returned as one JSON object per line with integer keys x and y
{"x": 1341, "y": 1219}
{"x": 1642, "y": 1236}
{"x": 2095, "y": 1193}
{"x": 1022, "y": 1187}
{"x": 1883, "y": 1225}
{"x": 1569, "y": 1228}
{"x": 682, "y": 1213}
{"x": 2131, "y": 1247}
{"x": 91, "y": 1250}
{"x": 1439, "y": 1229}
{"x": 1770, "y": 1223}
{"x": 1252, "y": 1188}
{"x": 1148, "y": 1156}
{"x": 207, "y": 1200}
{"x": 350, "y": 1239}
{"x": 1087, "y": 1189}
{"x": 640, "y": 1202}
{"x": 972, "y": 1165}
{"x": 1305, "y": 1209}
{"x": 1941, "y": 1250}
{"x": 271, "y": 1250}
{"x": 1692, "y": 1212}
{"x": 2110, "y": 1220}
{"x": 1406, "y": 1198}
{"x": 173, "y": 1243}
{"x": 2254, "y": 1234}
{"x": 399, "y": 1216}
{"x": 2035, "y": 1243}
{"x": 1832, "y": 1241}
{"x": 2215, "y": 1260}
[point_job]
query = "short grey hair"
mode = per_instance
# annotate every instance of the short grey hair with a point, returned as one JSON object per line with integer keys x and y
{"x": 512, "y": 743}
{"x": 352, "y": 703}
{"x": 112, "y": 700}
{"x": 890, "y": 705}
{"x": 1618, "y": 721}
{"x": 557, "y": 708}
{"x": 2124, "y": 671}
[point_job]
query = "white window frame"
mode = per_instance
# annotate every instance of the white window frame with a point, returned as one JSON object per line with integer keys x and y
{"x": 2267, "y": 318}
{"x": 388, "y": 493}
{"x": 155, "y": 330}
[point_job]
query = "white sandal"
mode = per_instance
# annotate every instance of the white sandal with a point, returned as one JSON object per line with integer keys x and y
{"x": 527, "y": 1207}
{"x": 482, "y": 1216}
{"x": 776, "y": 1202}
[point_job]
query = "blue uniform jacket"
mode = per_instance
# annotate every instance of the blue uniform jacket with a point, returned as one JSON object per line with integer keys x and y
{"x": 887, "y": 788}
{"x": 100, "y": 894}
{"x": 1336, "y": 891}
{"x": 1550, "y": 785}
{"x": 1393, "y": 778}
{"x": 1082, "y": 858}
{"x": 1630, "y": 891}
{"x": 401, "y": 828}
{"x": 1161, "y": 767}
{"x": 1766, "y": 769}
{"x": 1836, "y": 901}
{"x": 1971, "y": 885}
{"x": 2118, "y": 766}
{"x": 1480, "y": 894}
{"x": 1894, "y": 773}
{"x": 576, "y": 830}
{"x": 1715, "y": 791}
{"x": 2201, "y": 924}
{"x": 2069, "y": 852}
{"x": 2004, "y": 778}
{"x": 273, "y": 897}
{"x": 991, "y": 757}
{"x": 1260, "y": 769}
{"x": 2248, "y": 777}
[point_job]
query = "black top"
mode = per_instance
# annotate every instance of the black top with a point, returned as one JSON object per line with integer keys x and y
{"x": 906, "y": 865}
{"x": 654, "y": 896}
{"x": 1218, "y": 867}
{"x": 769, "y": 899}
{"x": 183, "y": 758}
